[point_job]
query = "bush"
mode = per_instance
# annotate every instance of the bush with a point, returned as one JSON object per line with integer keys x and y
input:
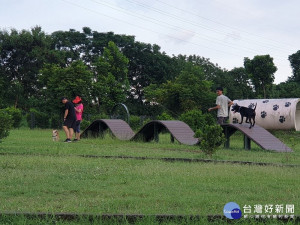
{"x": 165, "y": 116}
{"x": 99, "y": 117}
{"x": 88, "y": 119}
{"x": 84, "y": 124}
{"x": 196, "y": 120}
{"x": 211, "y": 137}
{"x": 38, "y": 119}
{"x": 56, "y": 122}
{"x": 135, "y": 122}
{"x": 146, "y": 120}
{"x": 16, "y": 115}
{"x": 6, "y": 122}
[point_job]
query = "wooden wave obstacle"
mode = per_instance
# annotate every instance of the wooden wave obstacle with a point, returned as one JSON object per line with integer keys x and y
{"x": 257, "y": 134}
{"x": 182, "y": 133}
{"x": 150, "y": 131}
{"x": 119, "y": 128}
{"x": 178, "y": 130}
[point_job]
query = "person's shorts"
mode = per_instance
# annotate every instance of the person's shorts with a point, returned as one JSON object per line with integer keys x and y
{"x": 70, "y": 123}
{"x": 221, "y": 120}
{"x": 77, "y": 129}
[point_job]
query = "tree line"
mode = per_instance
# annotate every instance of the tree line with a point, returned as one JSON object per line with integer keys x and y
{"x": 37, "y": 69}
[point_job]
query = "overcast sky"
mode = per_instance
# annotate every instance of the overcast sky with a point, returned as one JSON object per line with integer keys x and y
{"x": 225, "y": 31}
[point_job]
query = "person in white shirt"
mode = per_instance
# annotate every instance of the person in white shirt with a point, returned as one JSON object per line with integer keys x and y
{"x": 222, "y": 104}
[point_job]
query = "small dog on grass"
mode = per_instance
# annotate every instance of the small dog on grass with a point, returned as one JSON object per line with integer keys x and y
{"x": 249, "y": 113}
{"x": 55, "y": 135}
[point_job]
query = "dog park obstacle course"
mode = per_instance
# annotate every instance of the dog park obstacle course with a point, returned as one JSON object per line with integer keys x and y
{"x": 150, "y": 131}
{"x": 182, "y": 133}
{"x": 259, "y": 135}
{"x": 119, "y": 128}
{"x": 178, "y": 130}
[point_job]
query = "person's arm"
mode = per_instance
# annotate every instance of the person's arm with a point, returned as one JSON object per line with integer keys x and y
{"x": 78, "y": 109}
{"x": 230, "y": 103}
{"x": 66, "y": 113}
{"x": 214, "y": 108}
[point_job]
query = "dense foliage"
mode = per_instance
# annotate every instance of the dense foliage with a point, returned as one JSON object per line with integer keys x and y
{"x": 211, "y": 137}
{"x": 37, "y": 69}
{"x": 6, "y": 124}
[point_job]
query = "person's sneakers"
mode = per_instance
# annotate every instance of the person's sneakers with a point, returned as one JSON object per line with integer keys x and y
{"x": 67, "y": 140}
{"x": 75, "y": 139}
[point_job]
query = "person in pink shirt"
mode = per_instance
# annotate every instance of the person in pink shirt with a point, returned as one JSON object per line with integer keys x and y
{"x": 78, "y": 110}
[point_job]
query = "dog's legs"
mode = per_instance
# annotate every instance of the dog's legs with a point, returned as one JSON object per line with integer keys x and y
{"x": 247, "y": 120}
{"x": 251, "y": 124}
{"x": 241, "y": 120}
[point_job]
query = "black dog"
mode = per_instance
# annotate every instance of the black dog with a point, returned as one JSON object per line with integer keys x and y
{"x": 249, "y": 113}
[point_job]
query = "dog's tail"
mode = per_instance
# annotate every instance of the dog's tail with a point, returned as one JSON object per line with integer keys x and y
{"x": 254, "y": 111}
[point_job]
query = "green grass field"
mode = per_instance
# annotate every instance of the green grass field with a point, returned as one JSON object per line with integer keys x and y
{"x": 39, "y": 175}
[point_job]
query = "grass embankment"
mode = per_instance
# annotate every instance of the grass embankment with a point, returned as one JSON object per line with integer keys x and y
{"x": 39, "y": 175}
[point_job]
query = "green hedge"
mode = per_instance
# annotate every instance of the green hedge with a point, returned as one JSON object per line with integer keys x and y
{"x": 16, "y": 116}
{"x": 197, "y": 120}
{"x": 38, "y": 119}
{"x": 6, "y": 122}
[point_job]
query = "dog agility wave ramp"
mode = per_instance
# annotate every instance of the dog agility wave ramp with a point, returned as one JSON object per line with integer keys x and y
{"x": 259, "y": 135}
{"x": 121, "y": 130}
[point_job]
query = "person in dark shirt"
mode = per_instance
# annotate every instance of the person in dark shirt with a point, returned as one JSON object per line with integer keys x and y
{"x": 69, "y": 119}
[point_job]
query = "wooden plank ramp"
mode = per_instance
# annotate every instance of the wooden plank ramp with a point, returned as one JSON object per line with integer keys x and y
{"x": 259, "y": 135}
{"x": 121, "y": 130}
{"x": 181, "y": 132}
{"x": 178, "y": 130}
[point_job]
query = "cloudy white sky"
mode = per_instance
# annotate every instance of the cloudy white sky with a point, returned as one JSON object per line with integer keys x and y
{"x": 225, "y": 31}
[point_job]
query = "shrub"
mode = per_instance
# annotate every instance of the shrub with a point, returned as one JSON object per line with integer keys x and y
{"x": 146, "y": 120}
{"x": 16, "y": 115}
{"x": 6, "y": 122}
{"x": 99, "y": 116}
{"x": 88, "y": 119}
{"x": 196, "y": 120}
{"x": 165, "y": 116}
{"x": 56, "y": 122}
{"x": 84, "y": 124}
{"x": 135, "y": 122}
{"x": 38, "y": 119}
{"x": 211, "y": 137}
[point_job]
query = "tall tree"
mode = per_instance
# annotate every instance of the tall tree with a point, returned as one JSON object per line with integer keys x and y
{"x": 22, "y": 55}
{"x": 75, "y": 79}
{"x": 186, "y": 92}
{"x": 110, "y": 77}
{"x": 295, "y": 64}
{"x": 261, "y": 70}
{"x": 287, "y": 89}
{"x": 212, "y": 71}
{"x": 237, "y": 84}
{"x": 147, "y": 65}
{"x": 72, "y": 44}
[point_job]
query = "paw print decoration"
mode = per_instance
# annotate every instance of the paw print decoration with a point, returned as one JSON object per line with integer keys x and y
{"x": 282, "y": 119}
{"x": 265, "y": 101}
{"x": 235, "y": 120}
{"x": 287, "y": 104}
{"x": 275, "y": 107}
{"x": 263, "y": 114}
{"x": 251, "y": 106}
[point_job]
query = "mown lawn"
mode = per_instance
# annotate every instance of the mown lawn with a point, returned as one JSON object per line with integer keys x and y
{"x": 39, "y": 175}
